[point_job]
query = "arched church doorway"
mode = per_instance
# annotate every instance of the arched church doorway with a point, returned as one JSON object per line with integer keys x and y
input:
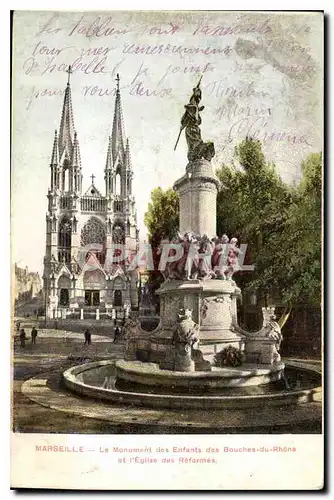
{"x": 64, "y": 297}
{"x": 118, "y": 299}
{"x": 92, "y": 298}
{"x": 64, "y": 285}
{"x": 93, "y": 282}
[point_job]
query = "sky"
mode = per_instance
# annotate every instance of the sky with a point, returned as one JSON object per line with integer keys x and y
{"x": 262, "y": 76}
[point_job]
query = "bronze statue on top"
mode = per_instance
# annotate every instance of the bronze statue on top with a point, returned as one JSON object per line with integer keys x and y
{"x": 190, "y": 121}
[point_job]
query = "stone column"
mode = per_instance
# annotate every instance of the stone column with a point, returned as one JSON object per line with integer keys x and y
{"x": 81, "y": 314}
{"x": 198, "y": 190}
{"x": 97, "y": 314}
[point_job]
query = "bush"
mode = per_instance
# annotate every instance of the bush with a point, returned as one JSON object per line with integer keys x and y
{"x": 230, "y": 356}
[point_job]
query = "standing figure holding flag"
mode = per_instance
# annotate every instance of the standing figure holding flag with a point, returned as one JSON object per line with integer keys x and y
{"x": 190, "y": 121}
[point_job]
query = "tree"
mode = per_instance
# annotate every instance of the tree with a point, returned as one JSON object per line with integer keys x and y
{"x": 162, "y": 216}
{"x": 300, "y": 254}
{"x": 280, "y": 224}
{"x": 253, "y": 205}
{"x": 162, "y": 222}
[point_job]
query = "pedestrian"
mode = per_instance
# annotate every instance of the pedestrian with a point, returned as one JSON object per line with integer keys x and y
{"x": 117, "y": 334}
{"x": 22, "y": 338}
{"x": 33, "y": 335}
{"x": 87, "y": 337}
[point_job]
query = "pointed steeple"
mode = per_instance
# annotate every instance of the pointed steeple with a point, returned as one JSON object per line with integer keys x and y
{"x": 108, "y": 169}
{"x": 76, "y": 158}
{"x": 54, "y": 157}
{"x": 54, "y": 164}
{"x": 128, "y": 156}
{"x": 66, "y": 131}
{"x": 109, "y": 162}
{"x": 118, "y": 126}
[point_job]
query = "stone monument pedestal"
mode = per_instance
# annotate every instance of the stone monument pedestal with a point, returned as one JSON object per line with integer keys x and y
{"x": 214, "y": 307}
{"x": 197, "y": 190}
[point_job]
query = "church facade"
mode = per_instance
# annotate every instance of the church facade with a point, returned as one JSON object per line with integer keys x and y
{"x": 87, "y": 231}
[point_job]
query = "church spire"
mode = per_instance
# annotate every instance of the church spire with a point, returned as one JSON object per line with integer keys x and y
{"x": 66, "y": 131}
{"x": 127, "y": 156}
{"x": 118, "y": 127}
{"x": 109, "y": 156}
{"x": 108, "y": 177}
{"x": 54, "y": 164}
{"x": 75, "y": 176}
{"x": 76, "y": 158}
{"x": 54, "y": 157}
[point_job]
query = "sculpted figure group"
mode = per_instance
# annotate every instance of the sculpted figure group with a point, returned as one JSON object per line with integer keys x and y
{"x": 202, "y": 257}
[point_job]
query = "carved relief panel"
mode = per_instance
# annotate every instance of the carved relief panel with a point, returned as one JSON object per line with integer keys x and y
{"x": 216, "y": 311}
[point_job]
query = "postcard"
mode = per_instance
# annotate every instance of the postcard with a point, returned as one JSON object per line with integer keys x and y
{"x": 166, "y": 230}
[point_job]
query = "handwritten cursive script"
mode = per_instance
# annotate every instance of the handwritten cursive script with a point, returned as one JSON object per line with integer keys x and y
{"x": 256, "y": 128}
{"x": 236, "y": 29}
{"x": 220, "y": 88}
{"x": 180, "y": 50}
{"x": 233, "y": 110}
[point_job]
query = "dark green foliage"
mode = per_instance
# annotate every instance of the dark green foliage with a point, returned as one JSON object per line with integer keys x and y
{"x": 162, "y": 216}
{"x": 230, "y": 356}
{"x": 162, "y": 222}
{"x": 280, "y": 224}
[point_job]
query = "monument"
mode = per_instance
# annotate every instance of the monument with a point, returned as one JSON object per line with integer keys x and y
{"x": 198, "y": 350}
{"x": 198, "y": 299}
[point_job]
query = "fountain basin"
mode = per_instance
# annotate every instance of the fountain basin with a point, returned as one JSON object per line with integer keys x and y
{"x": 98, "y": 380}
{"x": 150, "y": 374}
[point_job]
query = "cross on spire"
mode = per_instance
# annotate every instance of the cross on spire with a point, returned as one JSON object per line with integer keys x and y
{"x": 117, "y": 80}
{"x": 69, "y": 72}
{"x": 92, "y": 177}
{"x": 66, "y": 131}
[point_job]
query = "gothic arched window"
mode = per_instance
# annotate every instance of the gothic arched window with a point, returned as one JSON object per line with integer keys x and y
{"x": 65, "y": 175}
{"x": 118, "y": 234}
{"x": 64, "y": 240}
{"x": 93, "y": 232}
{"x": 118, "y": 184}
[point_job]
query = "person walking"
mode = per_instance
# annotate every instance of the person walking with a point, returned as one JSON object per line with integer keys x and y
{"x": 117, "y": 334}
{"x": 88, "y": 337}
{"x": 22, "y": 338}
{"x": 33, "y": 335}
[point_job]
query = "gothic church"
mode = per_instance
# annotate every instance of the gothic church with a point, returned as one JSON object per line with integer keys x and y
{"x": 82, "y": 227}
